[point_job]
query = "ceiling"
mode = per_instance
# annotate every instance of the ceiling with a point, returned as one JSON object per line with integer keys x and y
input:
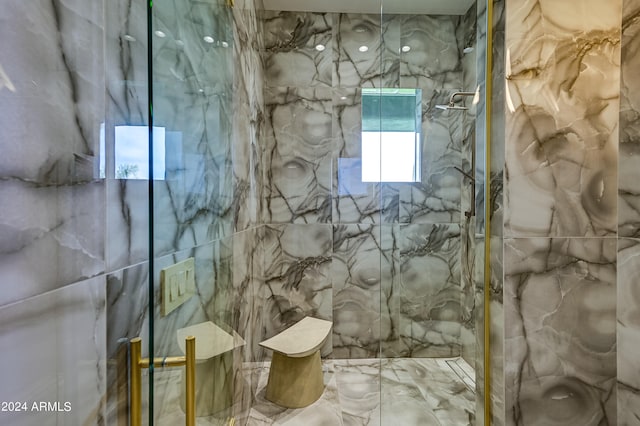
{"x": 422, "y": 7}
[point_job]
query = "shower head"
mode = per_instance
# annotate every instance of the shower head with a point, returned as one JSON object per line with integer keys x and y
{"x": 452, "y": 107}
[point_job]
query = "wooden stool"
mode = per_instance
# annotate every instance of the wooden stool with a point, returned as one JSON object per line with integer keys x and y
{"x": 295, "y": 377}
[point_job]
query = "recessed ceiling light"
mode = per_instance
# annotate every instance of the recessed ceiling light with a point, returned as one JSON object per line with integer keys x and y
{"x": 160, "y": 34}
{"x": 363, "y": 48}
{"x": 208, "y": 39}
{"x": 343, "y": 97}
{"x": 179, "y": 43}
{"x": 225, "y": 44}
{"x": 320, "y": 47}
{"x": 405, "y": 49}
{"x": 129, "y": 37}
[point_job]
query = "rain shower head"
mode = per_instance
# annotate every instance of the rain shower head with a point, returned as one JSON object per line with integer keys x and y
{"x": 453, "y": 107}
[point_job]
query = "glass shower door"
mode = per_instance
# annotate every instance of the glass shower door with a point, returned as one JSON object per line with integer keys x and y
{"x": 428, "y": 131}
{"x": 335, "y": 182}
{"x": 193, "y": 211}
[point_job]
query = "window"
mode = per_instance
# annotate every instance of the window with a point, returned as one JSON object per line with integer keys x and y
{"x": 391, "y": 124}
{"x": 131, "y": 152}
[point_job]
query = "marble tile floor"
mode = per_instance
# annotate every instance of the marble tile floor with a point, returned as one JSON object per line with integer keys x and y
{"x": 359, "y": 392}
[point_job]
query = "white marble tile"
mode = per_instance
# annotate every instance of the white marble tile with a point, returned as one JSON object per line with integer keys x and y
{"x": 49, "y": 58}
{"x": 628, "y": 328}
{"x": 297, "y": 279}
{"x": 298, "y": 149}
{"x": 628, "y": 218}
{"x": 50, "y": 236}
{"x": 628, "y": 413}
{"x": 363, "y": 271}
{"x": 298, "y": 48}
{"x": 366, "y": 51}
{"x": 560, "y": 336}
{"x": 628, "y": 325}
{"x": 127, "y": 222}
{"x": 248, "y": 280}
{"x": 54, "y": 350}
{"x": 51, "y": 107}
{"x": 434, "y": 59}
{"x": 562, "y": 150}
{"x": 430, "y": 312}
{"x": 353, "y": 395}
{"x": 248, "y": 117}
{"x": 424, "y": 391}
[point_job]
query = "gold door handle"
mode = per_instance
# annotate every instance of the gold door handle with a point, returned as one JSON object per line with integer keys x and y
{"x": 138, "y": 363}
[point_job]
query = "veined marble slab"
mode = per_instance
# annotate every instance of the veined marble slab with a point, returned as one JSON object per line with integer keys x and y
{"x": 53, "y": 350}
{"x": 562, "y": 94}
{"x": 560, "y": 336}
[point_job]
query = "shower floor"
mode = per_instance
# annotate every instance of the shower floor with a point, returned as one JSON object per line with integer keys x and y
{"x": 362, "y": 392}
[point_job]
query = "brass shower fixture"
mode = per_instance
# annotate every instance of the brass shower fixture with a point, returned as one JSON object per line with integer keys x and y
{"x": 138, "y": 363}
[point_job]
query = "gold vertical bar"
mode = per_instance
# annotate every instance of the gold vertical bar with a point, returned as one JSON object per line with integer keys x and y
{"x": 122, "y": 384}
{"x": 190, "y": 406}
{"x": 136, "y": 382}
{"x": 487, "y": 219}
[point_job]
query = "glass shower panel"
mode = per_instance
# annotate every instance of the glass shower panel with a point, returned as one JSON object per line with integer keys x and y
{"x": 315, "y": 170}
{"x": 428, "y": 360}
{"x": 192, "y": 62}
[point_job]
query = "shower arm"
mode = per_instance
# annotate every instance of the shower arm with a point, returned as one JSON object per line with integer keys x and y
{"x": 456, "y": 94}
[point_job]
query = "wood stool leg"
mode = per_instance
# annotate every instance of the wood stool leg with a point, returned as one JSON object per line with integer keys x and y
{"x": 295, "y": 382}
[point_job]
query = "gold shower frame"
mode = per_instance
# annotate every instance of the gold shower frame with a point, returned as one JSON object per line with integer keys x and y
{"x": 487, "y": 212}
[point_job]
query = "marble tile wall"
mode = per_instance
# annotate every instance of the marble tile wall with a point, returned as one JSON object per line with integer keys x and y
{"x": 628, "y": 221}
{"x": 560, "y": 335}
{"x": 193, "y": 86}
{"x": 561, "y": 214}
{"x": 248, "y": 115}
{"x": 74, "y": 240}
{"x": 296, "y": 275}
{"x": 497, "y": 177}
{"x": 126, "y": 96}
{"x": 628, "y": 332}
{"x": 52, "y": 236}
{"x": 53, "y": 350}
{"x": 247, "y": 273}
{"x": 298, "y": 152}
{"x": 313, "y": 149}
{"x": 562, "y": 155}
{"x": 629, "y": 135}
{"x": 365, "y": 308}
{"x": 429, "y": 290}
{"x": 53, "y": 210}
